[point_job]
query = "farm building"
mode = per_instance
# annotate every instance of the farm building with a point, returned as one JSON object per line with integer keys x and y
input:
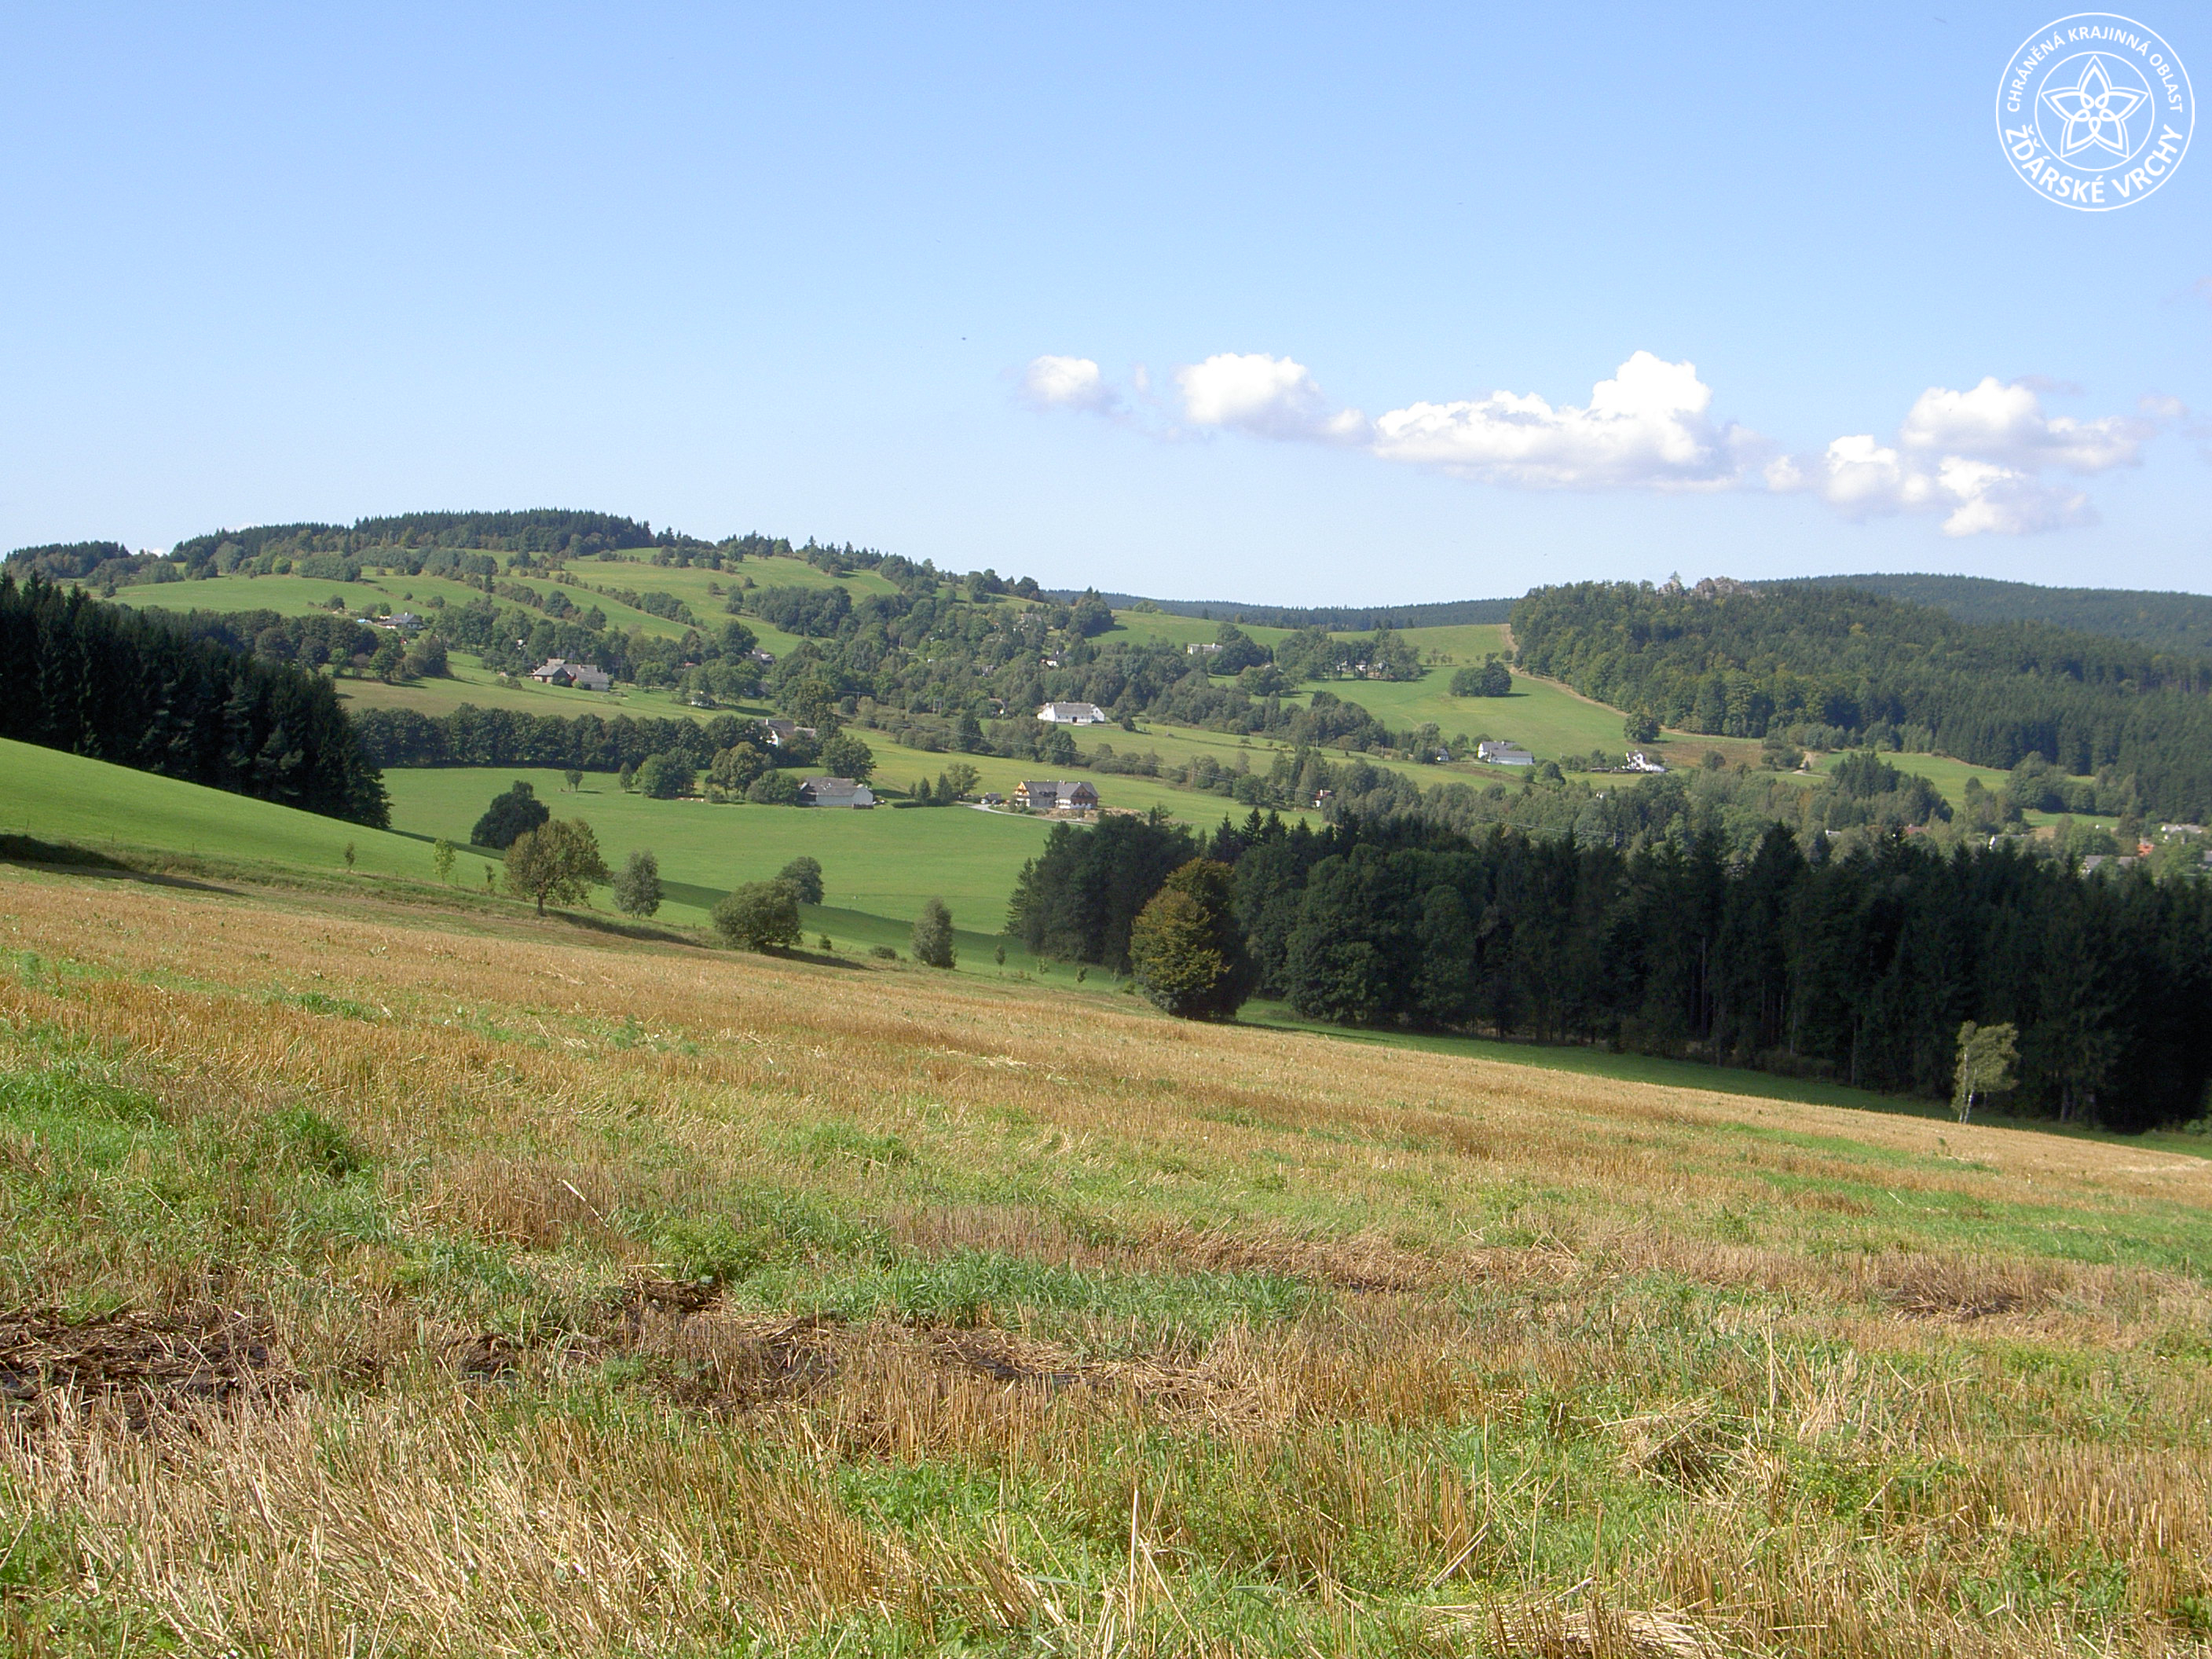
{"x": 1058, "y": 795}
{"x": 1073, "y": 714}
{"x": 558, "y": 670}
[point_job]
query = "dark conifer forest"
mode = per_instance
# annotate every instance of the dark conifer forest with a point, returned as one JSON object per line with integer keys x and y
{"x": 1858, "y": 969}
{"x": 141, "y": 690}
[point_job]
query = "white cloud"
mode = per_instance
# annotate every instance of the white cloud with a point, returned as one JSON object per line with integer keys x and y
{"x": 1267, "y": 396}
{"x": 1977, "y": 457}
{"x": 2006, "y": 424}
{"x": 1646, "y": 428}
{"x": 1862, "y": 479}
{"x": 1068, "y": 383}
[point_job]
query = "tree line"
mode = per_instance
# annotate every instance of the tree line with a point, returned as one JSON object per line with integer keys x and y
{"x": 1860, "y": 967}
{"x": 1740, "y": 661}
{"x": 469, "y": 736}
{"x": 141, "y": 689}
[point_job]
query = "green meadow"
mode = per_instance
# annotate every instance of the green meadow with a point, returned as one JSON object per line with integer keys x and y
{"x": 59, "y": 798}
{"x": 883, "y": 864}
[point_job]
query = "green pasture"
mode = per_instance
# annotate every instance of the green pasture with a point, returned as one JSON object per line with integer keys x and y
{"x": 1460, "y": 644}
{"x": 1542, "y": 717}
{"x": 288, "y": 596}
{"x": 898, "y": 767}
{"x": 1145, "y": 626}
{"x": 471, "y": 682}
{"x": 53, "y": 796}
{"x": 883, "y": 863}
{"x": 695, "y": 584}
{"x": 300, "y": 596}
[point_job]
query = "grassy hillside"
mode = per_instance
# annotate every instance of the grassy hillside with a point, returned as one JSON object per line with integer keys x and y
{"x": 54, "y": 797}
{"x": 458, "y": 1286}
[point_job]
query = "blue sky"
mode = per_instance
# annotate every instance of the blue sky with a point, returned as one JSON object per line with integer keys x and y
{"x": 795, "y": 270}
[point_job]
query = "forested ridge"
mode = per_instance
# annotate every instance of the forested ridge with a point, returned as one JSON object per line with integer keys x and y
{"x": 1335, "y": 618}
{"x": 143, "y": 690}
{"x": 1857, "y": 967}
{"x": 2156, "y": 621}
{"x": 1831, "y": 665}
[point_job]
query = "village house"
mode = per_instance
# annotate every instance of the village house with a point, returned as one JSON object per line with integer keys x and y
{"x": 1073, "y": 714}
{"x": 558, "y": 670}
{"x": 1640, "y": 762}
{"x": 1503, "y": 753}
{"x": 780, "y": 733}
{"x": 835, "y": 792}
{"x": 1058, "y": 795}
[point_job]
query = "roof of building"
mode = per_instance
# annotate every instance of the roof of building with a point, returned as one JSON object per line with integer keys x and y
{"x": 578, "y": 673}
{"x": 1058, "y": 788}
{"x": 836, "y": 791}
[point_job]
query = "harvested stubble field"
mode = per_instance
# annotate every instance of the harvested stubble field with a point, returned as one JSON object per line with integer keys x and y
{"x": 387, "y": 1280}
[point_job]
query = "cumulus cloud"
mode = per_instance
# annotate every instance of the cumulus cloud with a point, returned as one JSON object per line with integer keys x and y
{"x": 1267, "y": 396}
{"x": 1068, "y": 383}
{"x": 1648, "y": 427}
{"x": 1979, "y": 458}
{"x": 2006, "y": 424}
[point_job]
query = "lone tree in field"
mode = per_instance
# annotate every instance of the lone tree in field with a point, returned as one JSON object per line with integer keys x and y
{"x": 663, "y": 777}
{"x": 1185, "y": 948}
{"x": 1985, "y": 1056}
{"x": 637, "y": 890}
{"x": 761, "y": 915}
{"x": 556, "y": 863}
{"x": 1492, "y": 679}
{"x": 514, "y": 813}
{"x": 933, "y": 935}
{"x": 802, "y": 875}
{"x": 441, "y": 859}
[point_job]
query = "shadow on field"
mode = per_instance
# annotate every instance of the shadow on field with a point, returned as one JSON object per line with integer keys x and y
{"x": 592, "y": 922}
{"x": 82, "y": 860}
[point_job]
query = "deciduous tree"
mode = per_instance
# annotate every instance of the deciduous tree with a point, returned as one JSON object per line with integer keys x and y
{"x": 761, "y": 915}
{"x": 637, "y": 890}
{"x": 1185, "y": 948}
{"x": 1985, "y": 1056}
{"x": 802, "y": 875}
{"x": 555, "y": 863}
{"x": 510, "y": 814}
